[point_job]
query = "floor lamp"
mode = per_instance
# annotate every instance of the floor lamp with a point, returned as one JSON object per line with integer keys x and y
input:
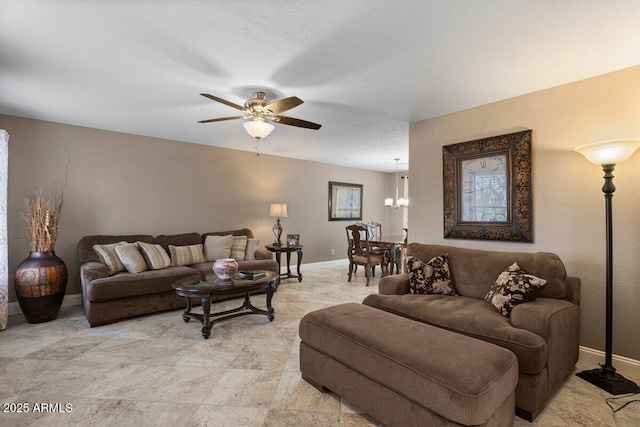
{"x": 608, "y": 154}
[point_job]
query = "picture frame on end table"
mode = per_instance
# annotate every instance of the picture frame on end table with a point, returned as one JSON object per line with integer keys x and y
{"x": 293, "y": 240}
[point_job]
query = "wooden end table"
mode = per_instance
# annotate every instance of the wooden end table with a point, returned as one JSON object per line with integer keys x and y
{"x": 209, "y": 285}
{"x": 288, "y": 250}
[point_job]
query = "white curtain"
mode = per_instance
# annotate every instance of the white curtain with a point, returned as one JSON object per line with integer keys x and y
{"x": 4, "y": 271}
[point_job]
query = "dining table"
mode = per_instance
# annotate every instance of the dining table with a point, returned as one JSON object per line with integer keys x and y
{"x": 391, "y": 244}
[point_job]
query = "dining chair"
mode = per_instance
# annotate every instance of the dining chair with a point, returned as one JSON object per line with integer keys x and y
{"x": 375, "y": 234}
{"x": 360, "y": 252}
{"x": 375, "y": 230}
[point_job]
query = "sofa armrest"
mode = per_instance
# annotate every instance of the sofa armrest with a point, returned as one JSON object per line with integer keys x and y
{"x": 558, "y": 322}
{"x": 395, "y": 284}
{"x": 262, "y": 253}
{"x": 92, "y": 270}
{"x": 538, "y": 315}
{"x": 573, "y": 289}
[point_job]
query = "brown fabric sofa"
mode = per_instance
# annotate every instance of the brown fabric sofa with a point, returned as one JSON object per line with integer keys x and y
{"x": 107, "y": 299}
{"x": 543, "y": 334}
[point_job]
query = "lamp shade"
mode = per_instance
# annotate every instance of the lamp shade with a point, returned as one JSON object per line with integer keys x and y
{"x": 278, "y": 210}
{"x": 258, "y": 128}
{"x": 610, "y": 152}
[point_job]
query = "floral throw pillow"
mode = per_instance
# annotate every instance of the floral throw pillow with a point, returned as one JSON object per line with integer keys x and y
{"x": 432, "y": 277}
{"x": 514, "y": 287}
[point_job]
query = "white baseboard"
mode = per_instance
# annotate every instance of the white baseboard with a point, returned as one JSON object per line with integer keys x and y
{"x": 327, "y": 264}
{"x": 592, "y": 358}
{"x": 321, "y": 264}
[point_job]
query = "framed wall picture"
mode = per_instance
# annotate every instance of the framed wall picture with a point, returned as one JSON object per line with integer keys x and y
{"x": 487, "y": 188}
{"x": 345, "y": 201}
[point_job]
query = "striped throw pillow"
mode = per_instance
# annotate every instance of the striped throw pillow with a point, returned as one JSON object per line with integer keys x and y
{"x": 109, "y": 257}
{"x": 186, "y": 255}
{"x": 238, "y": 247}
{"x": 154, "y": 255}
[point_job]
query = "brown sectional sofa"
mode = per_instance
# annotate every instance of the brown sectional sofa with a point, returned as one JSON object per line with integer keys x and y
{"x": 543, "y": 334}
{"x": 107, "y": 299}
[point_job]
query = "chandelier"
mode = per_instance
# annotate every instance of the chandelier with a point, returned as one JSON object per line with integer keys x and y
{"x": 399, "y": 201}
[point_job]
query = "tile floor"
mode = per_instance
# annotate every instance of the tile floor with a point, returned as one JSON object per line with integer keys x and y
{"x": 158, "y": 370}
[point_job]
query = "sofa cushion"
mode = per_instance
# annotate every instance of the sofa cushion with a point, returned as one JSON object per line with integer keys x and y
{"x": 217, "y": 247}
{"x": 514, "y": 287}
{"x": 123, "y": 285}
{"x": 238, "y": 247}
{"x": 131, "y": 258}
{"x": 184, "y": 239}
{"x": 468, "y": 316}
{"x": 155, "y": 256}
{"x": 186, "y": 255}
{"x": 431, "y": 277}
{"x": 252, "y": 247}
{"x": 474, "y": 271}
{"x": 109, "y": 257}
{"x": 85, "y": 245}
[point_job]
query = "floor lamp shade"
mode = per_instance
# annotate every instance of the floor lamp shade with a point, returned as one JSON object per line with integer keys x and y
{"x": 608, "y": 154}
{"x": 611, "y": 152}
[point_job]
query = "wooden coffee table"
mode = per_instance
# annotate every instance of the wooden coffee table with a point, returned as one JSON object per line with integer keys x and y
{"x": 209, "y": 285}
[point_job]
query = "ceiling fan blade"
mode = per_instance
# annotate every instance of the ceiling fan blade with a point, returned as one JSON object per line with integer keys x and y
{"x": 221, "y": 119}
{"x": 296, "y": 122}
{"x": 283, "y": 104}
{"x": 223, "y": 101}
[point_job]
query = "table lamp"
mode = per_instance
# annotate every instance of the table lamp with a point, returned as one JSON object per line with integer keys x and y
{"x": 278, "y": 210}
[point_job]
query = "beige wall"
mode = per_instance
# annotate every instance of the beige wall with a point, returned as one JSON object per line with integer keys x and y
{"x": 124, "y": 184}
{"x": 568, "y": 201}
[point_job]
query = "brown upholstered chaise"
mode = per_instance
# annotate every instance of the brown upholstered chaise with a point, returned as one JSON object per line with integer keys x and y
{"x": 543, "y": 334}
{"x": 107, "y": 299}
{"x": 406, "y": 373}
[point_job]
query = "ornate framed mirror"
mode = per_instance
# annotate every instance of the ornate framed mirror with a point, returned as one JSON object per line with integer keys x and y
{"x": 487, "y": 188}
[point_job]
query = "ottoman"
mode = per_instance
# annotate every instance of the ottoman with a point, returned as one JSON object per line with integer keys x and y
{"x": 407, "y": 373}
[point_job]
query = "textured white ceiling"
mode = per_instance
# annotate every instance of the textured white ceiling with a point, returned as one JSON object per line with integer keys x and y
{"x": 365, "y": 68}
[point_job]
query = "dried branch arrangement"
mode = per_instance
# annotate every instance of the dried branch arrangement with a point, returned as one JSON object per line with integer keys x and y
{"x": 42, "y": 216}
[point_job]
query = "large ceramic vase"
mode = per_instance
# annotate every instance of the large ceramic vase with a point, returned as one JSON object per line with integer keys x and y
{"x": 40, "y": 283}
{"x": 225, "y": 268}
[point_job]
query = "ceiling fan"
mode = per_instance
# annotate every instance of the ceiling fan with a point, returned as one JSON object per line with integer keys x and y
{"x": 259, "y": 114}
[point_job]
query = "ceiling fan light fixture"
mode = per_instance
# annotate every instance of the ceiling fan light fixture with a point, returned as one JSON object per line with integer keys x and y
{"x": 258, "y": 128}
